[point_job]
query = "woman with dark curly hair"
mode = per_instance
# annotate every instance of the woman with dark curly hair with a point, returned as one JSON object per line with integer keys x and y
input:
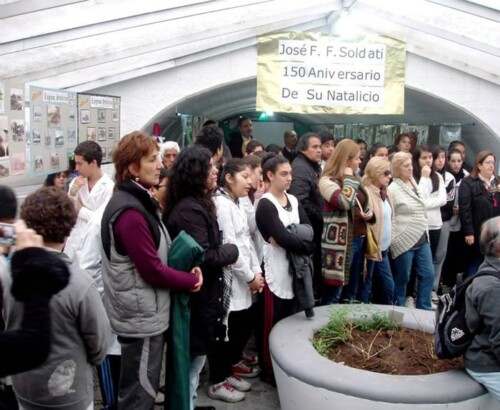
{"x": 403, "y": 142}
{"x": 190, "y": 208}
{"x": 137, "y": 280}
{"x": 79, "y": 326}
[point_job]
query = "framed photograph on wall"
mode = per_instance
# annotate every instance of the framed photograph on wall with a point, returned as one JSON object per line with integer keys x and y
{"x": 385, "y": 134}
{"x": 101, "y": 115}
{"x": 84, "y": 116}
{"x": 111, "y": 133}
{"x": 91, "y": 135}
{"x": 339, "y": 132}
{"x": 101, "y": 134}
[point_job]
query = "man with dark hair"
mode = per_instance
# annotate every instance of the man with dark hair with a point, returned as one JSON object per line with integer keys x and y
{"x": 90, "y": 190}
{"x": 327, "y": 146}
{"x": 290, "y": 139}
{"x": 237, "y": 138}
{"x": 212, "y": 138}
{"x": 460, "y": 146}
{"x": 80, "y": 330}
{"x": 306, "y": 170}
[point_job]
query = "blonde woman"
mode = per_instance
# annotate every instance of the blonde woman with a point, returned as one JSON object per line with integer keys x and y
{"x": 339, "y": 188}
{"x": 376, "y": 179}
{"x": 410, "y": 244}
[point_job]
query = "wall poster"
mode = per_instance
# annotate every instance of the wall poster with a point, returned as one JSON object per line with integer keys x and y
{"x": 13, "y": 164}
{"x": 52, "y": 133}
{"x": 99, "y": 121}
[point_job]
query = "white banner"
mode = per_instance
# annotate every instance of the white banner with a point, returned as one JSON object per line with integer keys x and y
{"x": 101, "y": 102}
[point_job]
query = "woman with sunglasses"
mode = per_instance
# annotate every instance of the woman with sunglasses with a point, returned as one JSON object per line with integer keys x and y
{"x": 376, "y": 179}
{"x": 479, "y": 200}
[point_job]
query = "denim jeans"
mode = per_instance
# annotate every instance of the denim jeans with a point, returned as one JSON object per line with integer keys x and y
{"x": 357, "y": 261}
{"x": 422, "y": 258}
{"x": 197, "y": 363}
{"x": 330, "y": 294}
{"x": 440, "y": 255}
{"x": 378, "y": 272}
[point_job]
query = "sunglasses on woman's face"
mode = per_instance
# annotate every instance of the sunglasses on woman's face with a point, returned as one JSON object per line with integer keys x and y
{"x": 387, "y": 173}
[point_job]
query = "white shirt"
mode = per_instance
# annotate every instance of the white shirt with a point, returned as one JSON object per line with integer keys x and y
{"x": 91, "y": 200}
{"x": 233, "y": 223}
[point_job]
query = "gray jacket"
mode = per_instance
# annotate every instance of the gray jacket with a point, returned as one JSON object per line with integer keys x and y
{"x": 302, "y": 269}
{"x": 80, "y": 339}
{"x": 135, "y": 308}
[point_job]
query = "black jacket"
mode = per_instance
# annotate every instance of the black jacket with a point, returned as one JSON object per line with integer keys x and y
{"x": 477, "y": 205}
{"x": 191, "y": 215}
{"x": 305, "y": 188}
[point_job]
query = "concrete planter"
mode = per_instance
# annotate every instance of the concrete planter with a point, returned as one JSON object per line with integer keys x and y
{"x": 307, "y": 380}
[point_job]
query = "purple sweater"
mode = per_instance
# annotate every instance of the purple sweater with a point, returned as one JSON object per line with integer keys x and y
{"x": 133, "y": 238}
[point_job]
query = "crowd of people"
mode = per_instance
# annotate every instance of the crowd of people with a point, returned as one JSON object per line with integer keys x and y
{"x": 200, "y": 249}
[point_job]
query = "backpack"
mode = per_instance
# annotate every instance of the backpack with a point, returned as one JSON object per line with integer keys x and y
{"x": 452, "y": 337}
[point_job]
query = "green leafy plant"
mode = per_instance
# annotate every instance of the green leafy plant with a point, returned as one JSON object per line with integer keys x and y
{"x": 341, "y": 324}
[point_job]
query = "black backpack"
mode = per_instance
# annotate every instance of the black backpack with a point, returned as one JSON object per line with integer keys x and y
{"x": 451, "y": 335}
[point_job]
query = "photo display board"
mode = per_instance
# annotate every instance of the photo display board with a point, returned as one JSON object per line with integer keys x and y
{"x": 99, "y": 121}
{"x": 13, "y": 164}
{"x": 52, "y": 134}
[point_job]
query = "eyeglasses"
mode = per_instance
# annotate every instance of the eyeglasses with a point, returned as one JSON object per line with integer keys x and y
{"x": 387, "y": 173}
{"x": 160, "y": 186}
{"x": 489, "y": 162}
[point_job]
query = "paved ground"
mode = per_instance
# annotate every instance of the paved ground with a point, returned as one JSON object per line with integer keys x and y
{"x": 263, "y": 396}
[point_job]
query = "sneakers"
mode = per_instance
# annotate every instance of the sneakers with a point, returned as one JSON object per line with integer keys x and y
{"x": 225, "y": 392}
{"x": 242, "y": 370}
{"x": 410, "y": 302}
{"x": 434, "y": 297}
{"x": 250, "y": 359}
{"x": 238, "y": 383}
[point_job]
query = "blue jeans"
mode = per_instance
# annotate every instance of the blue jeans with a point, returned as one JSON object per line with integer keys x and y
{"x": 330, "y": 294}
{"x": 197, "y": 363}
{"x": 491, "y": 381}
{"x": 380, "y": 273}
{"x": 357, "y": 261}
{"x": 422, "y": 258}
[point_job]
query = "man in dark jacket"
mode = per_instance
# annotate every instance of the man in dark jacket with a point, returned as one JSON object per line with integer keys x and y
{"x": 239, "y": 137}
{"x": 289, "y": 150}
{"x": 306, "y": 170}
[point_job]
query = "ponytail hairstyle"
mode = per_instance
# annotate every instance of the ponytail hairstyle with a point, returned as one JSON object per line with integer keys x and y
{"x": 232, "y": 167}
{"x": 270, "y": 163}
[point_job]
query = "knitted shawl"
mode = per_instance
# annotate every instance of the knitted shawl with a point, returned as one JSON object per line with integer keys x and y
{"x": 410, "y": 216}
{"x": 336, "y": 239}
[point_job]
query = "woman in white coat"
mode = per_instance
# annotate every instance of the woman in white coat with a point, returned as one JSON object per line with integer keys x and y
{"x": 246, "y": 271}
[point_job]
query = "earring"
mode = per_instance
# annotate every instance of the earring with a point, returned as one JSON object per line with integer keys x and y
{"x": 136, "y": 179}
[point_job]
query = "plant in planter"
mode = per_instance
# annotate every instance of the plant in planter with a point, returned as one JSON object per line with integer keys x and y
{"x": 378, "y": 343}
{"x": 307, "y": 380}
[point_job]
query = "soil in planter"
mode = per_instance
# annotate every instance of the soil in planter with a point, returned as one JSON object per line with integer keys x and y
{"x": 399, "y": 352}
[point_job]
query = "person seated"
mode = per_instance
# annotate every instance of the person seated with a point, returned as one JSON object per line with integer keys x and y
{"x": 482, "y": 302}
